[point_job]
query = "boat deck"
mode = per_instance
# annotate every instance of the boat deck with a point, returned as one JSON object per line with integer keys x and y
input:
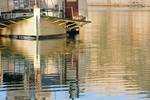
{"x": 68, "y": 23}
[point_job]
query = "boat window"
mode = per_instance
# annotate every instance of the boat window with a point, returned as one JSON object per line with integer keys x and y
{"x": 5, "y": 16}
{"x": 43, "y": 14}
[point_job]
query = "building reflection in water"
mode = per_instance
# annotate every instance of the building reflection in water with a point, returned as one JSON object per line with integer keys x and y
{"x": 35, "y": 69}
{"x": 117, "y": 44}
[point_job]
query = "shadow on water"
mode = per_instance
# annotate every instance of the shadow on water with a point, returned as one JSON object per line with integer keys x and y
{"x": 72, "y": 35}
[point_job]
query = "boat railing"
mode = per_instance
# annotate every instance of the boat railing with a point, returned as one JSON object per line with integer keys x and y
{"x": 6, "y": 14}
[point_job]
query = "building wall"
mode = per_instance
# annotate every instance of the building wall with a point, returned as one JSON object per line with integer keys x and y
{"x": 83, "y": 8}
{"x": 6, "y": 5}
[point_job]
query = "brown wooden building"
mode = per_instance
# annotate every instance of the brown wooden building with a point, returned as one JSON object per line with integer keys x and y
{"x": 76, "y": 9}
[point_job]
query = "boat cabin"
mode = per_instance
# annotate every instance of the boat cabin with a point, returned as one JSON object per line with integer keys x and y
{"x": 17, "y": 8}
{"x": 72, "y": 9}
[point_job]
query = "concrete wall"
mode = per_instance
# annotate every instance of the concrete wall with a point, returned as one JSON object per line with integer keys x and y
{"x": 118, "y": 2}
{"x": 83, "y": 8}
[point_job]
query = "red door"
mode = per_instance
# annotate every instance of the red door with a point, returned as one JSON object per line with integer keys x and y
{"x": 71, "y": 9}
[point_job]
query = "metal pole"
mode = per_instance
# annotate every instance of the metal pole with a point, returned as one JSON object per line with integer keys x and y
{"x": 64, "y": 8}
{"x": 29, "y": 6}
{"x": 39, "y": 3}
{"x": 47, "y": 7}
{"x": 37, "y": 28}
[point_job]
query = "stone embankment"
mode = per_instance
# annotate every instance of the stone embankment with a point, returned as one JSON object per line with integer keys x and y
{"x": 119, "y": 3}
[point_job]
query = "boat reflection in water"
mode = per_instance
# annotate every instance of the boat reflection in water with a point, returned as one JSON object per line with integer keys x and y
{"x": 36, "y": 69}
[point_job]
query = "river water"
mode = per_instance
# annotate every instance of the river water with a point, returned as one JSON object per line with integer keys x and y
{"x": 108, "y": 60}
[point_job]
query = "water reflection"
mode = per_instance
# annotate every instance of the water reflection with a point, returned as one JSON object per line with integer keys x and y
{"x": 108, "y": 60}
{"x": 117, "y": 45}
{"x": 34, "y": 69}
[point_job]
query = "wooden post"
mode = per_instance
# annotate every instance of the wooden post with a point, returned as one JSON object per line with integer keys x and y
{"x": 35, "y": 3}
{"x": 37, "y": 18}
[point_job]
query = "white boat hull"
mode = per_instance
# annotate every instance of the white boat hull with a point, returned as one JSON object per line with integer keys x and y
{"x": 38, "y": 26}
{"x": 27, "y": 27}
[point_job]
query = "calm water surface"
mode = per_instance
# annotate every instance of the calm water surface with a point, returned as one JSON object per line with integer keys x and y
{"x": 109, "y": 60}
